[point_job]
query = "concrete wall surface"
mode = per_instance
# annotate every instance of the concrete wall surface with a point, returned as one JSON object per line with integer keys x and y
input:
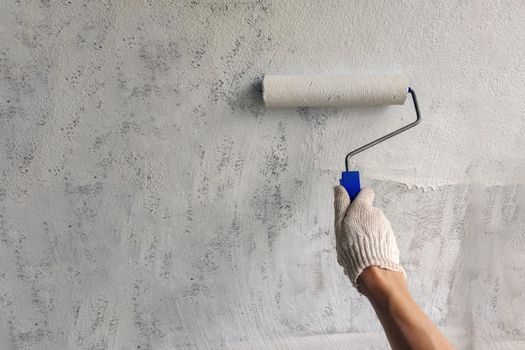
{"x": 148, "y": 200}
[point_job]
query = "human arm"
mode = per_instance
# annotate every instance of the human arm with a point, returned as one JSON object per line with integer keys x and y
{"x": 406, "y": 325}
{"x": 368, "y": 252}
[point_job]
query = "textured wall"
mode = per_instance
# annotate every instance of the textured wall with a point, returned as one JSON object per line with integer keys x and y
{"x": 148, "y": 200}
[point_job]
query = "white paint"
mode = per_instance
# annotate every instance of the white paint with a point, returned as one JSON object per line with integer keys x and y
{"x": 147, "y": 198}
{"x": 334, "y": 90}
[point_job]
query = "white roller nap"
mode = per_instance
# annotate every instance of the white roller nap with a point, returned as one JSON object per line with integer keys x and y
{"x": 334, "y": 90}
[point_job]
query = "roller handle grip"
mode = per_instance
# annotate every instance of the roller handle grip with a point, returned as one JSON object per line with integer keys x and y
{"x": 350, "y": 181}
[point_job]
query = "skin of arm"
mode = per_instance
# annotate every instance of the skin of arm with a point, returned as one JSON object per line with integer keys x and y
{"x": 405, "y": 324}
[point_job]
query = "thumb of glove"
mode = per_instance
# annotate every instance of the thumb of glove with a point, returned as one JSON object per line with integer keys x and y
{"x": 341, "y": 204}
{"x": 365, "y": 197}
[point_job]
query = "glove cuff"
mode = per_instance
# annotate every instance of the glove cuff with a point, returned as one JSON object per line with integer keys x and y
{"x": 366, "y": 253}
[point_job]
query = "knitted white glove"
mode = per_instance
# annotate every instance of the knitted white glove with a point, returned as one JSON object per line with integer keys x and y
{"x": 364, "y": 236}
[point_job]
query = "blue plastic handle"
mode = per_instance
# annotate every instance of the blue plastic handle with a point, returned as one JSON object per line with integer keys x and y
{"x": 350, "y": 181}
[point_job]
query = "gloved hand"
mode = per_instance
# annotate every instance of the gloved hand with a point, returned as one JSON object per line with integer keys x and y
{"x": 363, "y": 234}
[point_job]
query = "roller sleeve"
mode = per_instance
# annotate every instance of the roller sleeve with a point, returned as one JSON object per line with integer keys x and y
{"x": 334, "y": 91}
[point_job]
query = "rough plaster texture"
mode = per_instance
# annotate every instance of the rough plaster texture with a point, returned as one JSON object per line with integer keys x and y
{"x": 148, "y": 200}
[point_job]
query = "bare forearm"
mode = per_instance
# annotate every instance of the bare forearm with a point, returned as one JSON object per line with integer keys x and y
{"x": 405, "y": 324}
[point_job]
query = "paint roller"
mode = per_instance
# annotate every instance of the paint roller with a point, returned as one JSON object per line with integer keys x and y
{"x": 341, "y": 91}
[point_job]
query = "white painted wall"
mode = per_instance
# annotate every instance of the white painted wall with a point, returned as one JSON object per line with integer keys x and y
{"x": 148, "y": 200}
